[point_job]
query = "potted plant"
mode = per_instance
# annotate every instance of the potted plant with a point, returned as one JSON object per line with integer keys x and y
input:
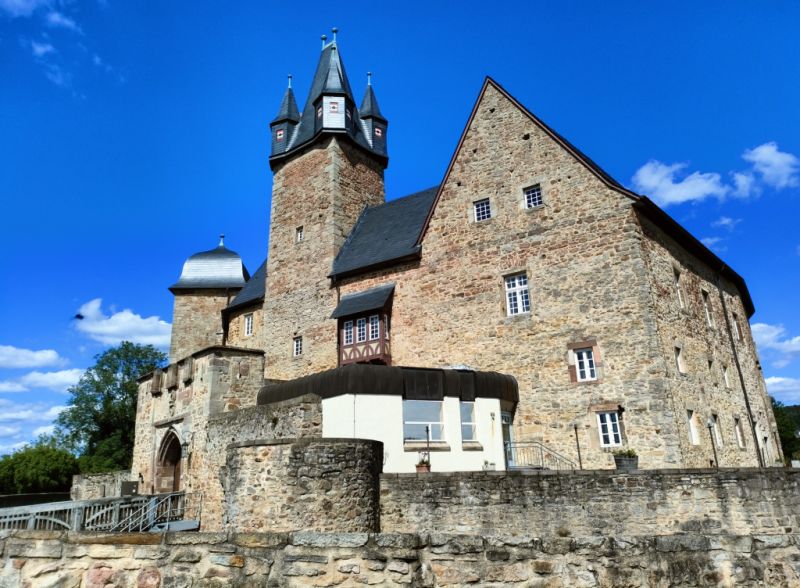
{"x": 626, "y": 459}
{"x": 423, "y": 463}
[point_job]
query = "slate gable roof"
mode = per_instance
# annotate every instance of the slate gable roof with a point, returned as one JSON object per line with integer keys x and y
{"x": 385, "y": 233}
{"x": 372, "y": 299}
{"x": 253, "y": 291}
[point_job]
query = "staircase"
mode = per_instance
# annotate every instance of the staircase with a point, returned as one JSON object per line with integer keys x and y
{"x": 533, "y": 455}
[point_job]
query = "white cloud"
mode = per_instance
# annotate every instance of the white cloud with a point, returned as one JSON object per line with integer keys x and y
{"x": 16, "y": 357}
{"x": 56, "y": 19}
{"x": 121, "y": 326}
{"x": 660, "y": 182}
{"x": 726, "y": 222}
{"x": 59, "y": 381}
{"x": 744, "y": 184}
{"x": 15, "y": 8}
{"x": 787, "y": 390}
{"x": 774, "y": 340}
{"x": 6, "y": 431}
{"x": 10, "y": 386}
{"x": 45, "y": 430}
{"x": 713, "y": 243}
{"x": 41, "y": 49}
{"x": 777, "y": 168}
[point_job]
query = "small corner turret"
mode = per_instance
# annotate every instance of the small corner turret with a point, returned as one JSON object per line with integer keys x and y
{"x": 329, "y": 109}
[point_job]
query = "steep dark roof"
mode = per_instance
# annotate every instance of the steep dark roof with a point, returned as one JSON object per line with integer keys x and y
{"x": 288, "y": 109}
{"x": 330, "y": 78}
{"x": 363, "y": 301}
{"x": 369, "y": 106}
{"x": 253, "y": 290}
{"x": 384, "y": 233}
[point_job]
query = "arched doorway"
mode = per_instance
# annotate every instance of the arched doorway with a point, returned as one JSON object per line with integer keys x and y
{"x": 168, "y": 465}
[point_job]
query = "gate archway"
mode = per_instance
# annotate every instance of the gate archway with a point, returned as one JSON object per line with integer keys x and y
{"x": 168, "y": 464}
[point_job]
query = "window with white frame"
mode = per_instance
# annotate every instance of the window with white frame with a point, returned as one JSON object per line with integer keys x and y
{"x": 585, "y": 370}
{"x": 299, "y": 234}
{"x": 717, "y": 430}
{"x": 297, "y": 346}
{"x": 248, "y": 324}
{"x": 694, "y": 439}
{"x": 361, "y": 330}
{"x": 374, "y": 327}
{"x": 533, "y": 196}
{"x": 422, "y": 420}
{"x": 348, "y": 332}
{"x": 468, "y": 421}
{"x": 726, "y": 377}
{"x": 678, "y": 287}
{"x": 483, "y": 210}
{"x": 608, "y": 427}
{"x": 707, "y": 308}
{"x": 737, "y": 428}
{"x": 518, "y": 296}
{"x": 679, "y": 360}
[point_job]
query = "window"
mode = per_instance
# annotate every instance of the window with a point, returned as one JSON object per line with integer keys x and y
{"x": 279, "y": 135}
{"x": 378, "y": 132}
{"x": 737, "y": 428}
{"x": 678, "y": 289}
{"x": 584, "y": 365}
{"x": 297, "y": 346}
{"x": 422, "y": 420}
{"x": 736, "y": 329}
{"x": 707, "y": 309}
{"x": 348, "y": 332}
{"x": 517, "y": 294}
{"x": 608, "y": 424}
{"x": 693, "y": 438}
{"x": 716, "y": 430}
{"x": 483, "y": 210}
{"x": 361, "y": 330}
{"x": 726, "y": 377}
{"x": 334, "y": 107}
{"x": 299, "y": 234}
{"x": 248, "y": 324}
{"x": 374, "y": 327}
{"x": 533, "y": 196}
{"x": 679, "y": 360}
{"x": 468, "y": 421}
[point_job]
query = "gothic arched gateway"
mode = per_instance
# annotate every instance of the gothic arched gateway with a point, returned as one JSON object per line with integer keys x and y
{"x": 168, "y": 466}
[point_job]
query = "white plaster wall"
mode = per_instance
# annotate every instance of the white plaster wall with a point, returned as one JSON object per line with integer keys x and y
{"x": 379, "y": 417}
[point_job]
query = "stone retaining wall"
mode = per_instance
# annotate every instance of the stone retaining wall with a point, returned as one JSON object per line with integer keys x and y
{"x": 91, "y": 486}
{"x": 32, "y": 558}
{"x": 310, "y": 484}
{"x": 593, "y": 502}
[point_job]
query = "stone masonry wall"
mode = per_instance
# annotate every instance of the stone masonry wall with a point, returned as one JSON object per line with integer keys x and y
{"x": 197, "y": 321}
{"x": 91, "y": 486}
{"x": 309, "y": 484}
{"x": 708, "y": 350}
{"x": 236, "y": 331}
{"x": 323, "y": 190}
{"x": 724, "y": 502}
{"x": 240, "y": 560}
{"x": 297, "y": 418}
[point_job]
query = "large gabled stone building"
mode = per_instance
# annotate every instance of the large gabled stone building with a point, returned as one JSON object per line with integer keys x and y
{"x": 621, "y": 329}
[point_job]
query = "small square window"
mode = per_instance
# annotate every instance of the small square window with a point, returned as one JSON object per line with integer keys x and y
{"x": 483, "y": 210}
{"x": 374, "y": 327}
{"x": 378, "y": 132}
{"x": 585, "y": 370}
{"x": 533, "y": 196}
{"x": 518, "y": 298}
{"x": 279, "y": 135}
{"x": 608, "y": 426}
{"x": 348, "y": 333}
{"x": 248, "y": 324}
{"x": 297, "y": 346}
{"x": 468, "y": 421}
{"x": 334, "y": 107}
{"x": 299, "y": 234}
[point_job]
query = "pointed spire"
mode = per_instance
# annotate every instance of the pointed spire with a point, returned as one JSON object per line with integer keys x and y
{"x": 288, "y": 110}
{"x": 369, "y": 106}
{"x": 221, "y": 240}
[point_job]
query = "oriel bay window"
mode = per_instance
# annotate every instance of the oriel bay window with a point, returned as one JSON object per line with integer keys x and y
{"x": 364, "y": 323}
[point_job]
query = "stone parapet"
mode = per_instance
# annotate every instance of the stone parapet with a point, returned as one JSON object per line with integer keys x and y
{"x": 347, "y": 559}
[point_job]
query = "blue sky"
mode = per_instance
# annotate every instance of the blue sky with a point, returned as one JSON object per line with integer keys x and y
{"x": 132, "y": 134}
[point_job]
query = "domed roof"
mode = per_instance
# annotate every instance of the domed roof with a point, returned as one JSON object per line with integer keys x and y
{"x": 217, "y": 268}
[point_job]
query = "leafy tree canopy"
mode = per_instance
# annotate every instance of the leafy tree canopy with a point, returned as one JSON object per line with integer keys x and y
{"x": 41, "y": 467}
{"x": 788, "y": 420}
{"x": 99, "y": 421}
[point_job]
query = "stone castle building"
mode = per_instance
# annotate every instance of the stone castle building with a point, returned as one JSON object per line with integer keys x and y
{"x": 534, "y": 302}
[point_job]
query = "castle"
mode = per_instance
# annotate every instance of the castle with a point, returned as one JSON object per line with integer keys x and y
{"x": 528, "y": 305}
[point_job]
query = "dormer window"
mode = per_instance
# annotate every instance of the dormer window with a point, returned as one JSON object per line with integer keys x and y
{"x": 279, "y": 135}
{"x": 334, "y": 107}
{"x": 378, "y": 132}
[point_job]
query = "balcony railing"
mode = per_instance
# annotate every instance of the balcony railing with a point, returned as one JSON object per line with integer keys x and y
{"x": 534, "y": 455}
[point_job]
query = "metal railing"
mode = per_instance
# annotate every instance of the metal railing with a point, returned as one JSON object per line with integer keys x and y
{"x": 534, "y": 455}
{"x": 134, "y": 513}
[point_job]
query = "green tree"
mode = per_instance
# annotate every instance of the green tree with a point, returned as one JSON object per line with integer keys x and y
{"x": 788, "y": 421}
{"x": 40, "y": 467}
{"x": 99, "y": 421}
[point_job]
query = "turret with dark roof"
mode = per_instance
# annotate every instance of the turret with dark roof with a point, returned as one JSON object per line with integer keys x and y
{"x": 329, "y": 109}
{"x": 374, "y": 122}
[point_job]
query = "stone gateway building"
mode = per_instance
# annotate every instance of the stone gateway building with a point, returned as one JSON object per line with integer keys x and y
{"x": 528, "y": 312}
